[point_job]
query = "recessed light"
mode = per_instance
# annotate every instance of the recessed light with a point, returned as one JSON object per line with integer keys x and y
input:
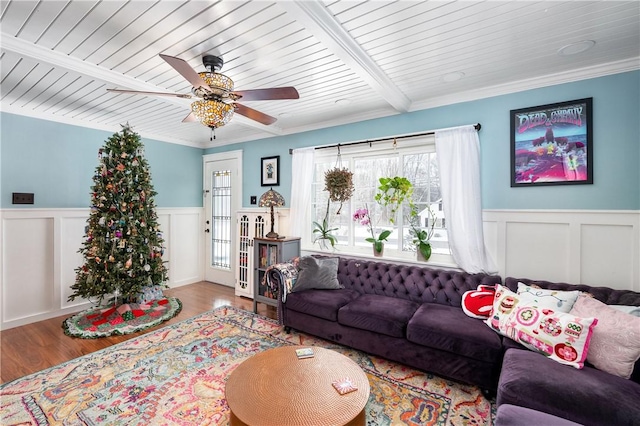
{"x": 452, "y": 76}
{"x": 343, "y": 102}
{"x": 575, "y": 48}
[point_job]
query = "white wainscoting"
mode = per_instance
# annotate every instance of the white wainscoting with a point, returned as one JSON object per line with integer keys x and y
{"x": 39, "y": 254}
{"x": 593, "y": 247}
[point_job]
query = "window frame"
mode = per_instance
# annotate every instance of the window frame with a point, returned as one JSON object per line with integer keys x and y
{"x": 349, "y": 154}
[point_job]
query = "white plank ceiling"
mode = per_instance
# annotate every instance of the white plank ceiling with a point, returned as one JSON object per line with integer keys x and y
{"x": 379, "y": 58}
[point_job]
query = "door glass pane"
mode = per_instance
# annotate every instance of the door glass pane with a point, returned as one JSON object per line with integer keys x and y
{"x": 221, "y": 219}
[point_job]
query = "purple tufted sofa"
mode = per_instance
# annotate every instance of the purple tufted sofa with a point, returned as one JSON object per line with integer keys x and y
{"x": 407, "y": 314}
{"x": 588, "y": 396}
{"x": 413, "y": 315}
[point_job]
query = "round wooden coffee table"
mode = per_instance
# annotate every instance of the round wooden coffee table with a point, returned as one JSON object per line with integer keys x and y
{"x": 275, "y": 388}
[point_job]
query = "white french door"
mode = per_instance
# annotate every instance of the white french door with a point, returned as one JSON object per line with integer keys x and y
{"x": 222, "y": 196}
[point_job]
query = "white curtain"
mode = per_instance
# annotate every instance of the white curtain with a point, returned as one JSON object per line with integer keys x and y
{"x": 301, "y": 179}
{"x": 458, "y": 152}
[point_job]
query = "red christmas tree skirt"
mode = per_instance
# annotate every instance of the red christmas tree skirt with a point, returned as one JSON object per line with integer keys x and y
{"x": 124, "y": 319}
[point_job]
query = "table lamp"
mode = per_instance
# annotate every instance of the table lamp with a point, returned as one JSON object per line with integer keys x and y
{"x": 271, "y": 199}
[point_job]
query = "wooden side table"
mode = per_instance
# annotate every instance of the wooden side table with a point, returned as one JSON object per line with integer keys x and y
{"x": 275, "y": 388}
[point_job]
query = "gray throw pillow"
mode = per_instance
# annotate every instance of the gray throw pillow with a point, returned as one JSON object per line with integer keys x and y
{"x": 318, "y": 273}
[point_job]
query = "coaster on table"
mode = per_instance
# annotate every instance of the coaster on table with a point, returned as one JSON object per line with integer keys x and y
{"x": 344, "y": 386}
{"x": 304, "y": 353}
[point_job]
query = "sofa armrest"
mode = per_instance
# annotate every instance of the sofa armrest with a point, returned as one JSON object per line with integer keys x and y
{"x": 280, "y": 278}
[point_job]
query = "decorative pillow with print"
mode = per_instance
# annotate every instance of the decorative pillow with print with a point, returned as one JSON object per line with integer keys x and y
{"x": 615, "y": 346}
{"x": 552, "y": 299}
{"x": 563, "y": 337}
{"x": 478, "y": 303}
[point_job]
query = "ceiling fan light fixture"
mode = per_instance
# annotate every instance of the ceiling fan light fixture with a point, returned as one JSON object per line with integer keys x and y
{"x": 212, "y": 113}
{"x": 219, "y": 85}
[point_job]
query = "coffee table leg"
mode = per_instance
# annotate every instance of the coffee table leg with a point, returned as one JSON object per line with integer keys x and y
{"x": 360, "y": 419}
{"x": 234, "y": 421}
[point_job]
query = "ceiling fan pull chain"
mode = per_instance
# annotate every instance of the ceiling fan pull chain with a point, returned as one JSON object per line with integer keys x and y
{"x": 213, "y": 134}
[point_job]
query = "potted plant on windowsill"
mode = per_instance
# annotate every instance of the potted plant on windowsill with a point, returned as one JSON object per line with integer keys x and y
{"x": 362, "y": 216}
{"x": 421, "y": 237}
{"x": 324, "y": 232}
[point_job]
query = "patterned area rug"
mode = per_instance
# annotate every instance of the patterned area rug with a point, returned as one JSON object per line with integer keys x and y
{"x": 124, "y": 319}
{"x": 176, "y": 376}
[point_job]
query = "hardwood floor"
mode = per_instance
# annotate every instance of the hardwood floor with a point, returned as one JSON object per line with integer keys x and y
{"x": 34, "y": 347}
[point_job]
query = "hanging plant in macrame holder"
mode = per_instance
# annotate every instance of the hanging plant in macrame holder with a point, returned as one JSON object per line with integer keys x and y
{"x": 339, "y": 182}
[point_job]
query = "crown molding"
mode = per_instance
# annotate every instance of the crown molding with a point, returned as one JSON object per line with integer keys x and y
{"x": 631, "y": 64}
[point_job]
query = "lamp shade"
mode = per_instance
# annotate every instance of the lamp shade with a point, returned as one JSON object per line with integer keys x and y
{"x": 212, "y": 113}
{"x": 271, "y": 198}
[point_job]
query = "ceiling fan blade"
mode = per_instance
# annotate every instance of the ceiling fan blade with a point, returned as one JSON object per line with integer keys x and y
{"x": 268, "y": 94}
{"x": 186, "y": 71}
{"x": 253, "y": 114}
{"x": 189, "y": 118}
{"x": 138, "y": 92}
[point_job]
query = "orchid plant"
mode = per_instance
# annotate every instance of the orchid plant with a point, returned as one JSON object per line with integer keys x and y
{"x": 363, "y": 217}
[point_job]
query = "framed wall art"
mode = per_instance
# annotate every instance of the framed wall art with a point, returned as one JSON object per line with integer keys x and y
{"x": 270, "y": 167}
{"x": 552, "y": 144}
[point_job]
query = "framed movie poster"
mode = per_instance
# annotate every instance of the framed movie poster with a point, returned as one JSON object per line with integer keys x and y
{"x": 270, "y": 171}
{"x": 552, "y": 144}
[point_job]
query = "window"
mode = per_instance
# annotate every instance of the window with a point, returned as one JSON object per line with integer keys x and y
{"x": 414, "y": 159}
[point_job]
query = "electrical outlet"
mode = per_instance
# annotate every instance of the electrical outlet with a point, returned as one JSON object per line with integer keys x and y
{"x": 254, "y": 199}
{"x": 22, "y": 198}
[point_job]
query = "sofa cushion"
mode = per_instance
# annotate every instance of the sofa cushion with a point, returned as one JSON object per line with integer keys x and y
{"x": 615, "y": 345}
{"x": 512, "y": 415}
{"x": 382, "y": 314}
{"x": 562, "y": 337}
{"x": 320, "y": 303}
{"x": 558, "y": 300}
{"x": 478, "y": 303}
{"x": 449, "y": 329}
{"x": 588, "y": 396}
{"x": 317, "y": 273}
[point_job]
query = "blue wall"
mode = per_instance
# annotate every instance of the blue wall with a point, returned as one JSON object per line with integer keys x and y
{"x": 616, "y": 146}
{"x": 56, "y": 162}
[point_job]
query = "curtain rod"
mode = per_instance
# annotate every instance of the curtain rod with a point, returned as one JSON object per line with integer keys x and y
{"x": 477, "y": 126}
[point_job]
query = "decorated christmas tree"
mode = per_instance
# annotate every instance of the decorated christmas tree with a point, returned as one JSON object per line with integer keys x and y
{"x": 123, "y": 246}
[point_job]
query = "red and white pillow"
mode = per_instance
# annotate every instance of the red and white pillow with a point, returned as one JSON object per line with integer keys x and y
{"x": 478, "y": 303}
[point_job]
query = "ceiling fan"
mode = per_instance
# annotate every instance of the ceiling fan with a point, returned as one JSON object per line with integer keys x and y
{"x": 217, "y": 100}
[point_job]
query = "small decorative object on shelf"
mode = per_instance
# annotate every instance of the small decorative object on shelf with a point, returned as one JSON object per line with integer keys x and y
{"x": 267, "y": 252}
